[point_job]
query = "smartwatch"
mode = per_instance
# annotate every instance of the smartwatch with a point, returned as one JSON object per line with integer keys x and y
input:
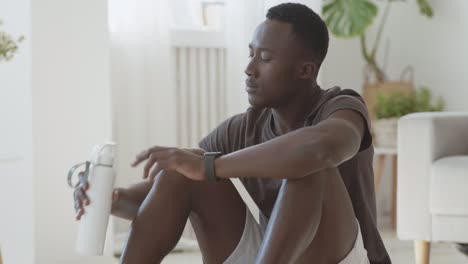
{"x": 209, "y": 158}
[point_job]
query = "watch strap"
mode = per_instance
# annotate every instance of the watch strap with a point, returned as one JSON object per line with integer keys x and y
{"x": 209, "y": 158}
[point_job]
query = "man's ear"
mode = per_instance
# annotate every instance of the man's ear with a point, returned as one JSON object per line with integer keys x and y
{"x": 308, "y": 70}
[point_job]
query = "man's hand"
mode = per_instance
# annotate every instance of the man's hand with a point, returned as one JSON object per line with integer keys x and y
{"x": 188, "y": 162}
{"x": 81, "y": 199}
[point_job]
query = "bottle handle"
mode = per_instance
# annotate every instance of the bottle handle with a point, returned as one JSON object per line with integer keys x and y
{"x": 81, "y": 179}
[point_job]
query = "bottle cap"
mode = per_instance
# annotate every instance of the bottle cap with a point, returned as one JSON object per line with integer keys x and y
{"x": 106, "y": 154}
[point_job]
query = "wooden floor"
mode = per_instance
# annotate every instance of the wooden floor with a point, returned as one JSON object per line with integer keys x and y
{"x": 401, "y": 252}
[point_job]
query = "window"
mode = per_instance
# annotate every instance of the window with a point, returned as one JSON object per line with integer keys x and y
{"x": 197, "y": 14}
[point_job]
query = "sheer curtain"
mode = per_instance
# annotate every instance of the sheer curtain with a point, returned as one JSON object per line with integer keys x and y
{"x": 142, "y": 83}
{"x": 242, "y": 17}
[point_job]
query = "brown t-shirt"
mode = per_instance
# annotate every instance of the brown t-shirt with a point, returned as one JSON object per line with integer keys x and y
{"x": 254, "y": 127}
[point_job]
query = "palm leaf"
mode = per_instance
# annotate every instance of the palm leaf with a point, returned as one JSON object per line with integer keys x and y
{"x": 425, "y": 8}
{"x": 349, "y": 18}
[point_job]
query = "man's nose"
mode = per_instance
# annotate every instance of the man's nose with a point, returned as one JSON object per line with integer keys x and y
{"x": 250, "y": 69}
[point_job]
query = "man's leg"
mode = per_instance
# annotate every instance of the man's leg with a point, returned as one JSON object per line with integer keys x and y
{"x": 312, "y": 221}
{"x": 216, "y": 210}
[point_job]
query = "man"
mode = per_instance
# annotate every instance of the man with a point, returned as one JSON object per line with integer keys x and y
{"x": 304, "y": 154}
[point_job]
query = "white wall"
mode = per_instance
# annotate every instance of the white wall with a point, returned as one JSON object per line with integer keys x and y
{"x": 71, "y": 111}
{"x": 16, "y": 195}
{"x": 436, "y": 48}
{"x": 58, "y": 91}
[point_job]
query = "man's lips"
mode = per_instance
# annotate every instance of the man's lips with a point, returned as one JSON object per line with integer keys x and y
{"x": 250, "y": 87}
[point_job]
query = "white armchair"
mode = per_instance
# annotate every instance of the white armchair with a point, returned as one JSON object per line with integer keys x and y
{"x": 432, "y": 197}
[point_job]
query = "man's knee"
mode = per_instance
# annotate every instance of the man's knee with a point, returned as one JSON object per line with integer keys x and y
{"x": 173, "y": 182}
{"x": 313, "y": 178}
{"x": 215, "y": 194}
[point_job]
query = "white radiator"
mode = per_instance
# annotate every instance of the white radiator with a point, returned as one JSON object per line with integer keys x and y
{"x": 201, "y": 103}
{"x": 200, "y": 88}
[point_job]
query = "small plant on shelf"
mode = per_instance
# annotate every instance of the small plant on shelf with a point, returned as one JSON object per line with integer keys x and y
{"x": 8, "y": 45}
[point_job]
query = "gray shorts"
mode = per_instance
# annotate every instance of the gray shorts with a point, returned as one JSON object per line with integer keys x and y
{"x": 249, "y": 244}
{"x": 252, "y": 237}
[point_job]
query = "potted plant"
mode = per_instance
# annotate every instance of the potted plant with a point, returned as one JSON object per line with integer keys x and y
{"x": 353, "y": 18}
{"x": 390, "y": 107}
{"x": 8, "y": 45}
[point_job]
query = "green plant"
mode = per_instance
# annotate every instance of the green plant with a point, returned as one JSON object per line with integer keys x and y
{"x": 398, "y": 104}
{"x": 8, "y": 46}
{"x": 352, "y": 18}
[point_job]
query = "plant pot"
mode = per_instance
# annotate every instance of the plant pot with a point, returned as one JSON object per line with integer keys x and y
{"x": 370, "y": 92}
{"x": 385, "y": 132}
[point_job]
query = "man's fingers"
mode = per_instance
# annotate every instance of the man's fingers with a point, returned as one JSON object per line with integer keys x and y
{"x": 80, "y": 198}
{"x": 83, "y": 197}
{"x": 115, "y": 195}
{"x": 161, "y": 161}
{"x": 146, "y": 154}
{"x": 76, "y": 198}
{"x": 77, "y": 205}
{"x": 148, "y": 165}
{"x": 79, "y": 211}
{"x": 79, "y": 214}
{"x": 157, "y": 168}
{"x": 141, "y": 157}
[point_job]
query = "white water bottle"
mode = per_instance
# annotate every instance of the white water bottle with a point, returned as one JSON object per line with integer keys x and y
{"x": 93, "y": 224}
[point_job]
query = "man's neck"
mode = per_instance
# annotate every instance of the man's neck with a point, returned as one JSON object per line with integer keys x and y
{"x": 293, "y": 115}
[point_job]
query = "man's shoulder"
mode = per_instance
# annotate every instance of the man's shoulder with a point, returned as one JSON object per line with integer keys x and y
{"x": 336, "y": 91}
{"x": 346, "y": 99}
{"x": 333, "y": 98}
{"x": 336, "y": 98}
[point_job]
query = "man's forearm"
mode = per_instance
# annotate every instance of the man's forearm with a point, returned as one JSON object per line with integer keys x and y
{"x": 298, "y": 153}
{"x": 130, "y": 199}
{"x": 293, "y": 155}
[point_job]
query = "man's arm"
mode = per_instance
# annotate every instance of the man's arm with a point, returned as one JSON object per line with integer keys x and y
{"x": 291, "y": 156}
{"x": 299, "y": 153}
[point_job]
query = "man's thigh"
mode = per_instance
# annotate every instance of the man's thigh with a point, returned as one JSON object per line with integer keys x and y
{"x": 218, "y": 218}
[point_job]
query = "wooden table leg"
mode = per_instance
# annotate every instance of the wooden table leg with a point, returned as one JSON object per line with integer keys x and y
{"x": 422, "y": 251}
{"x": 394, "y": 190}
{"x": 378, "y": 171}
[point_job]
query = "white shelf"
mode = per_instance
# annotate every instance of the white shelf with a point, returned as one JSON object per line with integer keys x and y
{"x": 198, "y": 37}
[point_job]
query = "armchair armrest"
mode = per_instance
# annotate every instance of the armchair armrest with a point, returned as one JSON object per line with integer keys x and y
{"x": 422, "y": 139}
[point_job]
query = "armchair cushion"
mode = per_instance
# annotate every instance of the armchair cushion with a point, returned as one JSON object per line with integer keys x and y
{"x": 449, "y": 186}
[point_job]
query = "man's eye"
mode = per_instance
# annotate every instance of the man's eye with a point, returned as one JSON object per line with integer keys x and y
{"x": 266, "y": 57}
{"x": 250, "y": 55}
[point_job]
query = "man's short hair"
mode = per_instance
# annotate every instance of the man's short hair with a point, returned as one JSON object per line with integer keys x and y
{"x": 306, "y": 24}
